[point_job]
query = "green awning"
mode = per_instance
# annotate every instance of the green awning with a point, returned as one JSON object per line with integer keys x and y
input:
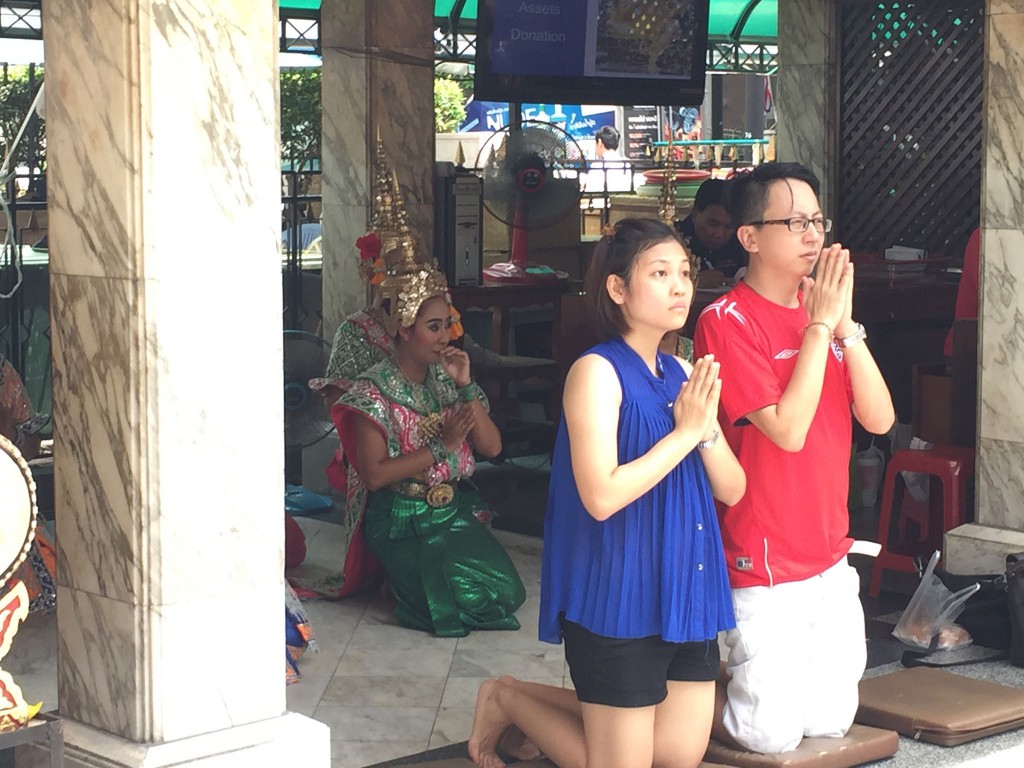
{"x": 443, "y": 9}
{"x": 750, "y": 20}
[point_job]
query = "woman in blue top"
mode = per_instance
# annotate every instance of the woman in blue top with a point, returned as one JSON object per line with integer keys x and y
{"x": 633, "y": 575}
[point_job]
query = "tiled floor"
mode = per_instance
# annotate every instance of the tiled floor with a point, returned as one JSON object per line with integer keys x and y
{"x": 384, "y": 690}
{"x": 387, "y": 691}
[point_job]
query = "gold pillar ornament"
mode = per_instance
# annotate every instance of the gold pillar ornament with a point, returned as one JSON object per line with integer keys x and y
{"x": 667, "y": 201}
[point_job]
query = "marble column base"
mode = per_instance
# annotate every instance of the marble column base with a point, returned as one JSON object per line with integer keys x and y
{"x": 974, "y": 548}
{"x": 291, "y": 739}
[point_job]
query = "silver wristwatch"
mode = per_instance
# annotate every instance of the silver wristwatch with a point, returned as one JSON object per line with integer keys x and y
{"x": 858, "y": 335}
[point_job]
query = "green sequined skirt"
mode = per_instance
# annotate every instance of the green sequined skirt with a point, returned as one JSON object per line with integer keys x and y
{"x": 448, "y": 573}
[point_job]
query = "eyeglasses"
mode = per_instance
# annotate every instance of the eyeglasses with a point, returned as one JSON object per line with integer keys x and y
{"x": 800, "y": 223}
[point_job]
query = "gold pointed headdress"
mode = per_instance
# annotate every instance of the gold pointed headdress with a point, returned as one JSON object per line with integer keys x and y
{"x": 408, "y": 280}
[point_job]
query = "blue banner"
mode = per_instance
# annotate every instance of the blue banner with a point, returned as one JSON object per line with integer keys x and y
{"x": 580, "y": 122}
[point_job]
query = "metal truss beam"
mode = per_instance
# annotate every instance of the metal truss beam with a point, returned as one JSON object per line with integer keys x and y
{"x": 454, "y": 40}
{"x": 300, "y": 31}
{"x": 743, "y": 58}
{"x": 21, "y": 19}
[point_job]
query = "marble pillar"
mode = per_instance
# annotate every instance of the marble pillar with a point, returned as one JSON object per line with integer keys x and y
{"x": 378, "y": 79}
{"x": 165, "y": 280}
{"x": 981, "y": 547}
{"x": 805, "y": 115}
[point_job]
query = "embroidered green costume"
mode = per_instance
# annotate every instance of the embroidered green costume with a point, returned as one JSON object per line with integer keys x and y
{"x": 447, "y": 571}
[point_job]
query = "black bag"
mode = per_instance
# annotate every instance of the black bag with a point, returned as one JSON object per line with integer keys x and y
{"x": 1015, "y": 605}
{"x": 986, "y": 614}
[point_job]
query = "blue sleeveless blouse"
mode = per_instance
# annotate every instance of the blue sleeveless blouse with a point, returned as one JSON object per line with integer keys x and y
{"x": 655, "y": 567}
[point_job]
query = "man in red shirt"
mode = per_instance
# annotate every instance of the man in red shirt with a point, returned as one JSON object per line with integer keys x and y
{"x": 794, "y": 364}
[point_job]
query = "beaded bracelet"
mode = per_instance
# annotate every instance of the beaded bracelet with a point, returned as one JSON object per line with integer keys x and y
{"x": 710, "y": 441}
{"x": 470, "y": 392}
{"x": 822, "y": 324}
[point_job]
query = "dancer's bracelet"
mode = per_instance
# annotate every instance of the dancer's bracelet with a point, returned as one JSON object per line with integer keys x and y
{"x": 437, "y": 449}
{"x": 471, "y": 392}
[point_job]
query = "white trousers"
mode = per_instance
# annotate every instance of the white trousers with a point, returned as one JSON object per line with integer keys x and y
{"x": 796, "y": 658}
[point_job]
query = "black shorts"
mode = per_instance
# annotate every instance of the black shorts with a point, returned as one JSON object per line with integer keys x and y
{"x": 633, "y": 672}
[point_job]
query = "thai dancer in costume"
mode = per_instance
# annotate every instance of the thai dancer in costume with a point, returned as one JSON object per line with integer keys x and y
{"x": 410, "y": 425}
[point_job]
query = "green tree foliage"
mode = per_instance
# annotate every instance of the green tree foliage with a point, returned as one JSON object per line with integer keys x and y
{"x": 300, "y": 114}
{"x": 16, "y": 93}
{"x": 449, "y": 105}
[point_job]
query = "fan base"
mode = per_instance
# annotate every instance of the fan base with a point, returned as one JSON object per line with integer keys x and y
{"x": 505, "y": 273}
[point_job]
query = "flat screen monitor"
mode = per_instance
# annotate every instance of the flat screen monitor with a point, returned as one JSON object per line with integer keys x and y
{"x": 592, "y": 51}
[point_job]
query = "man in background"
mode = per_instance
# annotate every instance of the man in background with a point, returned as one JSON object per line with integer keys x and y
{"x": 606, "y": 143}
{"x": 710, "y": 231}
{"x": 610, "y": 172}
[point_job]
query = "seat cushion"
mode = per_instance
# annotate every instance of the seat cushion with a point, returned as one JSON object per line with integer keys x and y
{"x": 862, "y": 744}
{"x": 940, "y": 707}
{"x": 461, "y": 762}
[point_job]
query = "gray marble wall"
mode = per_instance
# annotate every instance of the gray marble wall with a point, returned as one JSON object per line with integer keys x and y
{"x": 802, "y": 98}
{"x": 1000, "y": 496}
{"x": 164, "y": 188}
{"x": 378, "y": 78}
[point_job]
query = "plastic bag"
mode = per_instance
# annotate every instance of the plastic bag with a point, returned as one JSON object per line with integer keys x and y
{"x": 870, "y": 464}
{"x": 928, "y": 621}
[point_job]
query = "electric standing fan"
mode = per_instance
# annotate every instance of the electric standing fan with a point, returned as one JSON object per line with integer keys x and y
{"x": 306, "y": 421}
{"x": 531, "y": 179}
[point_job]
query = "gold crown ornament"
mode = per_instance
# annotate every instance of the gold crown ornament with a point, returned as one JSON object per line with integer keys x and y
{"x": 405, "y": 289}
{"x": 390, "y": 259}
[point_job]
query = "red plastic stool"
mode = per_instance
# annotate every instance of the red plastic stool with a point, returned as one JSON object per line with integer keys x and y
{"x": 953, "y": 466}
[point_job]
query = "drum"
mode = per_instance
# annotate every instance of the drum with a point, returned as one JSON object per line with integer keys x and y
{"x": 17, "y": 509}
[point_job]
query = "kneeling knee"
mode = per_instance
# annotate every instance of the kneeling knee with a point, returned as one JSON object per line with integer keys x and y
{"x": 769, "y": 742}
{"x": 769, "y": 736}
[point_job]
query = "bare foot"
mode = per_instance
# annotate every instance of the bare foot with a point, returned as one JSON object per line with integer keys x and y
{"x": 489, "y": 722}
{"x": 513, "y": 742}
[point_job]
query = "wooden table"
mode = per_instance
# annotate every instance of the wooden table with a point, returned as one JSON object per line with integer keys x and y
{"x": 499, "y": 299}
{"x": 496, "y": 378}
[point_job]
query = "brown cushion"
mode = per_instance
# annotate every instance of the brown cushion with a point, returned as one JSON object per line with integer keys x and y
{"x": 461, "y": 762}
{"x": 939, "y": 707}
{"x": 861, "y": 745}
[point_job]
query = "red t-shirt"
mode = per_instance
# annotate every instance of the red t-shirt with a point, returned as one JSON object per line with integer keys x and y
{"x": 792, "y": 523}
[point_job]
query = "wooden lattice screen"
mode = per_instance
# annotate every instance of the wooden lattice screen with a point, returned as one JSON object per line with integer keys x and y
{"x": 910, "y": 108}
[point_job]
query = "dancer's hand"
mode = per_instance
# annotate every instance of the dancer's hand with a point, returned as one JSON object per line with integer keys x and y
{"x": 696, "y": 407}
{"x": 457, "y": 427}
{"x": 456, "y": 364}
